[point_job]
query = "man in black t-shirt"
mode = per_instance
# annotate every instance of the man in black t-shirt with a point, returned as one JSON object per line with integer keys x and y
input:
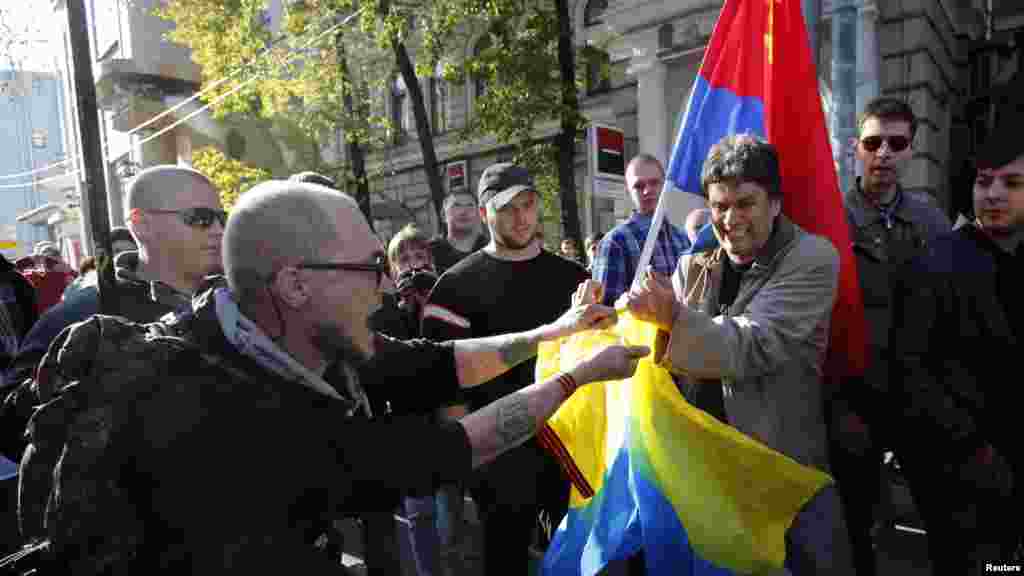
{"x": 464, "y": 236}
{"x": 510, "y": 284}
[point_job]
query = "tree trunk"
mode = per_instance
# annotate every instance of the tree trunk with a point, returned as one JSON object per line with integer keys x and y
{"x": 355, "y": 151}
{"x": 566, "y": 140}
{"x": 426, "y": 137}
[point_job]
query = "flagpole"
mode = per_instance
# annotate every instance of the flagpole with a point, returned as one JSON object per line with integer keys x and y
{"x": 666, "y": 186}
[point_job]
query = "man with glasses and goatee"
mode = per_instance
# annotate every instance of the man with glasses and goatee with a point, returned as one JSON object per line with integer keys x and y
{"x": 889, "y": 225}
{"x": 175, "y": 215}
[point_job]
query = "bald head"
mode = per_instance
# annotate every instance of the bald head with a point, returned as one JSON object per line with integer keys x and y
{"x": 155, "y": 188}
{"x": 278, "y": 223}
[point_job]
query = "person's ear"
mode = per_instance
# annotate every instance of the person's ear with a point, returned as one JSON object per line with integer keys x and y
{"x": 291, "y": 287}
{"x": 776, "y": 207}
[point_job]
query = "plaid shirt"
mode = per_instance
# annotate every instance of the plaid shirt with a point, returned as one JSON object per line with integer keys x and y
{"x": 619, "y": 252}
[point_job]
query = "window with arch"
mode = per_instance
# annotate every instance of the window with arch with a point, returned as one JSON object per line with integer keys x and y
{"x": 594, "y": 12}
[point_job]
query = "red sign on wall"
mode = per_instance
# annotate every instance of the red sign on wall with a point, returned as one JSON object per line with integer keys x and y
{"x": 608, "y": 151}
{"x": 456, "y": 173}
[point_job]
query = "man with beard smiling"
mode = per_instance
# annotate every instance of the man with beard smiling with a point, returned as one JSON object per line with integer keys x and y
{"x": 508, "y": 286}
{"x": 220, "y": 448}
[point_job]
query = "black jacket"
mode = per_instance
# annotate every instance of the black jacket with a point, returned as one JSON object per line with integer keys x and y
{"x": 956, "y": 341}
{"x": 19, "y": 299}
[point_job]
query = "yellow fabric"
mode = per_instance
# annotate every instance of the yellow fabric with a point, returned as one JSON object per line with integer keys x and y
{"x": 735, "y": 496}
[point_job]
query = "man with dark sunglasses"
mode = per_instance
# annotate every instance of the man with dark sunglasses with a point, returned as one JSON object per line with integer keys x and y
{"x": 888, "y": 227}
{"x": 175, "y": 215}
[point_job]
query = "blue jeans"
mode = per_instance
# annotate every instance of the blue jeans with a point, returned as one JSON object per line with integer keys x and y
{"x": 425, "y": 547}
{"x": 818, "y": 541}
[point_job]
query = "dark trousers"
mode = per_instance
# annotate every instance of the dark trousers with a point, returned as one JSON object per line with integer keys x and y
{"x": 859, "y": 477}
{"x": 509, "y": 495}
{"x": 966, "y": 529}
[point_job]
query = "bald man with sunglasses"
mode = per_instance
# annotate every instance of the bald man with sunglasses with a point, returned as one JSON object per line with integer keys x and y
{"x": 176, "y": 217}
{"x": 888, "y": 227}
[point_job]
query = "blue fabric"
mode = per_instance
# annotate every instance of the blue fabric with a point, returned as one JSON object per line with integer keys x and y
{"x": 591, "y": 537}
{"x": 619, "y": 251}
{"x": 8, "y": 469}
{"x": 713, "y": 113}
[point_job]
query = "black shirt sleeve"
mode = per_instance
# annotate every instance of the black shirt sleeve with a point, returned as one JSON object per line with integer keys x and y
{"x": 416, "y": 376}
{"x": 445, "y": 316}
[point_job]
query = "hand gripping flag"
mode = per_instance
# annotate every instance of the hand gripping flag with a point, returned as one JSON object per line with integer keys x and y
{"x": 651, "y": 471}
{"x": 758, "y": 77}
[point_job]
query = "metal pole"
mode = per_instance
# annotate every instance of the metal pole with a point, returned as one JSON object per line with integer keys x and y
{"x": 812, "y": 17}
{"x": 94, "y": 183}
{"x": 844, "y": 86}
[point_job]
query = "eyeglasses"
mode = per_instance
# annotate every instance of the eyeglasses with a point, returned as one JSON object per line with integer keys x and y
{"x": 896, "y": 143}
{"x": 198, "y": 217}
{"x": 379, "y": 265}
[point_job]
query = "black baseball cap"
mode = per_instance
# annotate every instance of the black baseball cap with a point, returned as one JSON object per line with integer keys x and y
{"x": 502, "y": 182}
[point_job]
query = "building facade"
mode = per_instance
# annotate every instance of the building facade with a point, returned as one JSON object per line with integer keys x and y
{"x": 32, "y": 125}
{"x": 950, "y": 59}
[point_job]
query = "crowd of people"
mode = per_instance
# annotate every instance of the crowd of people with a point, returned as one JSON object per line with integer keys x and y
{"x": 279, "y": 368}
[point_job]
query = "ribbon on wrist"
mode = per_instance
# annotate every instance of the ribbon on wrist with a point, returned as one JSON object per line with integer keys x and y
{"x": 568, "y": 383}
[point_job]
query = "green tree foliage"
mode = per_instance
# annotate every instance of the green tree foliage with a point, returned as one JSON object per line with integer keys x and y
{"x": 515, "y": 65}
{"x": 231, "y": 177}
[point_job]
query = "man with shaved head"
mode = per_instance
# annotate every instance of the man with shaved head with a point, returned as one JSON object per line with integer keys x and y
{"x": 175, "y": 215}
{"x": 239, "y": 449}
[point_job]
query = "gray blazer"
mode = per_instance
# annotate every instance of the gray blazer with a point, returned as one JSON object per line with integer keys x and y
{"x": 768, "y": 348}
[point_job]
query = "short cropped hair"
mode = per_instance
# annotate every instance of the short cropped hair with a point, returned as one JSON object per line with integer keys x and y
{"x": 740, "y": 158}
{"x": 274, "y": 223}
{"x": 145, "y": 191}
{"x": 645, "y": 158}
{"x": 409, "y": 237}
{"x": 450, "y": 199}
{"x": 889, "y": 109}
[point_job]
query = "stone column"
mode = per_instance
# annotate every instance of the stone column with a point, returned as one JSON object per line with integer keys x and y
{"x": 652, "y": 113}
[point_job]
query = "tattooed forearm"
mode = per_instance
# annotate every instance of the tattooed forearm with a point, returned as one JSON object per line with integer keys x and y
{"x": 516, "y": 349}
{"x": 514, "y": 421}
{"x": 508, "y": 422}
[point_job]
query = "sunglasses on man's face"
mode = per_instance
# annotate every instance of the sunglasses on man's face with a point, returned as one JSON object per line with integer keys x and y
{"x": 379, "y": 266}
{"x": 896, "y": 143}
{"x": 199, "y": 217}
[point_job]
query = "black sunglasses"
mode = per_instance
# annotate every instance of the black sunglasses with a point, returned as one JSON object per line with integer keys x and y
{"x": 896, "y": 143}
{"x": 199, "y": 217}
{"x": 379, "y": 265}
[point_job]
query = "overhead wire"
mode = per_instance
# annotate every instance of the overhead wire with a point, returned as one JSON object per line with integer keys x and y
{"x": 174, "y": 109}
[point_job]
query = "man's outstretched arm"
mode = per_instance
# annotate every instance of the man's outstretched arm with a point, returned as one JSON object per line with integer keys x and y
{"x": 513, "y": 419}
{"x": 478, "y": 360}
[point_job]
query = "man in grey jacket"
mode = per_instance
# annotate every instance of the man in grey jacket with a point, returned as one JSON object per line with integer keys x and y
{"x": 753, "y": 317}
